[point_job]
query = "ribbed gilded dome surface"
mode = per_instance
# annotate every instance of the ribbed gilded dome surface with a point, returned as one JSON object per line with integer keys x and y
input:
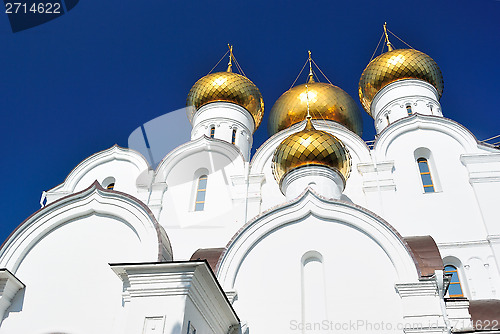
{"x": 310, "y": 147}
{"x": 227, "y": 87}
{"x": 396, "y": 65}
{"x": 326, "y": 101}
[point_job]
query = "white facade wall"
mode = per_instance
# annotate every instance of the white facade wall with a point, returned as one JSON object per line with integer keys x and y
{"x": 309, "y": 256}
{"x": 385, "y": 179}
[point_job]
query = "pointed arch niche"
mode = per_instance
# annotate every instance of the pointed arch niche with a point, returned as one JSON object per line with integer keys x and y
{"x": 313, "y": 288}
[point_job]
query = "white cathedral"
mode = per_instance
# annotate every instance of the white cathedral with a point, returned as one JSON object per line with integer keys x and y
{"x": 317, "y": 232}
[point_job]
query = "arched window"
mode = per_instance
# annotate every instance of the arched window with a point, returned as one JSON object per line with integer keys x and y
{"x": 408, "y": 110}
{"x": 233, "y": 138}
{"x": 108, "y": 183}
{"x": 201, "y": 192}
{"x": 212, "y": 132}
{"x": 455, "y": 288}
{"x": 425, "y": 175}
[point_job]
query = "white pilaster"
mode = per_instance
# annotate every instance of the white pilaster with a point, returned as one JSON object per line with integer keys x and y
{"x": 422, "y": 312}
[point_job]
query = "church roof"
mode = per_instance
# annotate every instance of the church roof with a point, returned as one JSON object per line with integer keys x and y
{"x": 211, "y": 255}
{"x": 426, "y": 254}
{"x": 485, "y": 311}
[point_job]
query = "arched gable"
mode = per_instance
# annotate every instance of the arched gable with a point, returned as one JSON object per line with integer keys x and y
{"x": 93, "y": 201}
{"x": 315, "y": 259}
{"x": 94, "y": 168}
{"x": 440, "y": 124}
{"x": 327, "y": 211}
{"x": 224, "y": 194}
{"x": 62, "y": 255}
{"x": 230, "y": 156}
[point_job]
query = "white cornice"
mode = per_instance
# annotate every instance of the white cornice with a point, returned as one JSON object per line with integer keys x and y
{"x": 468, "y": 159}
{"x": 191, "y": 279}
{"x": 482, "y": 168}
{"x": 422, "y": 288}
{"x": 9, "y": 286}
{"x": 402, "y": 83}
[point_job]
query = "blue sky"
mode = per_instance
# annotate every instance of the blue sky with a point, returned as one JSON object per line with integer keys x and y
{"x": 83, "y": 82}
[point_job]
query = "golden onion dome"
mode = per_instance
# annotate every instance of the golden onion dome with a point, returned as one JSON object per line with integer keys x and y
{"x": 227, "y": 87}
{"x": 397, "y": 65}
{"x": 326, "y": 101}
{"x": 310, "y": 147}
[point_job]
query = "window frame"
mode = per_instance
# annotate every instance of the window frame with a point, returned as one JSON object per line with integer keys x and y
{"x": 233, "y": 137}
{"x": 201, "y": 203}
{"x": 459, "y": 283}
{"x": 425, "y": 185}
{"x": 409, "y": 110}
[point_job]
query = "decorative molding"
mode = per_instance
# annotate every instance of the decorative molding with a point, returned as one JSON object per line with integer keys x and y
{"x": 403, "y": 83}
{"x": 422, "y": 288}
{"x": 482, "y": 168}
{"x": 426, "y": 122}
{"x": 192, "y": 279}
{"x": 463, "y": 244}
{"x": 215, "y": 107}
{"x": 377, "y": 176}
{"x": 232, "y": 296}
{"x": 113, "y": 153}
{"x": 9, "y": 286}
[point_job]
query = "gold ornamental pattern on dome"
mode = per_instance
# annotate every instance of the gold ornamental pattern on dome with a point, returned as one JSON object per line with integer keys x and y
{"x": 397, "y": 65}
{"x": 326, "y": 101}
{"x": 227, "y": 87}
{"x": 311, "y": 147}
